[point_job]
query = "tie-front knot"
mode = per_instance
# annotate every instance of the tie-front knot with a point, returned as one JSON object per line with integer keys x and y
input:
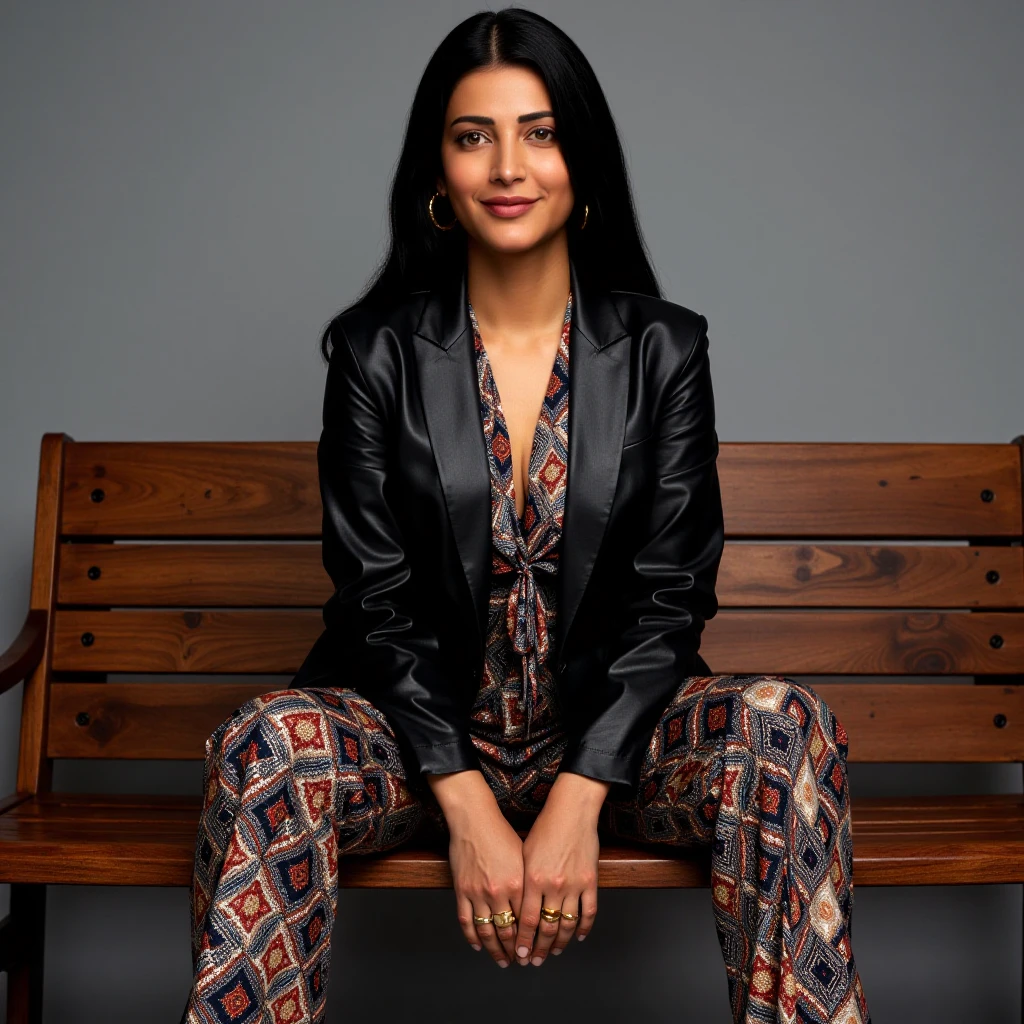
{"x": 527, "y": 627}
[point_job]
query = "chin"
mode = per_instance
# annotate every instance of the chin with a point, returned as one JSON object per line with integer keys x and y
{"x": 512, "y": 242}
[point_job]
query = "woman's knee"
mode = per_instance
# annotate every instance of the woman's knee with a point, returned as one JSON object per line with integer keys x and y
{"x": 280, "y": 724}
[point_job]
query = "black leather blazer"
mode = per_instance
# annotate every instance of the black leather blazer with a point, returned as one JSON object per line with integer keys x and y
{"x": 406, "y": 523}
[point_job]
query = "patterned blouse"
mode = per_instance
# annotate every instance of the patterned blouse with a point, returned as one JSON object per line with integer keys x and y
{"x": 516, "y": 721}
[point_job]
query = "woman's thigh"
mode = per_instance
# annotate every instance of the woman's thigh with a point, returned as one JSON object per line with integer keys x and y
{"x": 315, "y": 756}
{"x": 718, "y": 736}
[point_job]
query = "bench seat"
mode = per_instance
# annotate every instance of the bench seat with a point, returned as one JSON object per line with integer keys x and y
{"x": 174, "y": 581}
{"x": 83, "y": 838}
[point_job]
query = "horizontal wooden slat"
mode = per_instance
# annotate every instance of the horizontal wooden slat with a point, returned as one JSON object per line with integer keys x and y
{"x": 885, "y": 490}
{"x": 734, "y": 642}
{"x": 192, "y": 641}
{"x": 929, "y": 722}
{"x": 192, "y": 489}
{"x": 782, "y": 490}
{"x": 141, "y": 720}
{"x": 201, "y": 575}
{"x": 751, "y": 575}
{"x": 129, "y": 840}
{"x": 865, "y": 643}
{"x": 766, "y": 575}
{"x": 917, "y": 722}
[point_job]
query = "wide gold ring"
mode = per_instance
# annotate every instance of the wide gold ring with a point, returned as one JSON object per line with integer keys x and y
{"x": 504, "y": 918}
{"x": 569, "y": 917}
{"x": 483, "y": 920}
{"x": 551, "y": 916}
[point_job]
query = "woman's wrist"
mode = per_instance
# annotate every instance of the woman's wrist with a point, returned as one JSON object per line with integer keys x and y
{"x": 581, "y": 791}
{"x": 464, "y": 797}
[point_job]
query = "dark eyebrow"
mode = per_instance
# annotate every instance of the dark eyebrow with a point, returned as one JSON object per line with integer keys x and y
{"x": 522, "y": 119}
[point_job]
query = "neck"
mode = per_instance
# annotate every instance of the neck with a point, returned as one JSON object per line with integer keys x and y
{"x": 518, "y": 296}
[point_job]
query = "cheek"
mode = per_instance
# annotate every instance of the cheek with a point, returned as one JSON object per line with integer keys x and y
{"x": 465, "y": 175}
{"x": 553, "y": 176}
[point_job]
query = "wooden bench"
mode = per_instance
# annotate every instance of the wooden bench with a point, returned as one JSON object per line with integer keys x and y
{"x": 892, "y": 560}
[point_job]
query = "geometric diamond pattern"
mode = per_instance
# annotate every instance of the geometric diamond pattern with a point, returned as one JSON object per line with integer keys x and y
{"x": 751, "y": 767}
{"x": 774, "y": 770}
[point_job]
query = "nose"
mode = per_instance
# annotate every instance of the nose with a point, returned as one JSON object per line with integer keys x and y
{"x": 508, "y": 160}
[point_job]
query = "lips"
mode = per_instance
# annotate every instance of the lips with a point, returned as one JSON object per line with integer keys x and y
{"x": 508, "y": 206}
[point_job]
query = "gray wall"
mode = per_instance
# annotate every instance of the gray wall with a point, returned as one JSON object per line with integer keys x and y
{"x": 190, "y": 190}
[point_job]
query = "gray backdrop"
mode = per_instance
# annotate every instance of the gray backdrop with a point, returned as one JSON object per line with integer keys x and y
{"x": 190, "y": 190}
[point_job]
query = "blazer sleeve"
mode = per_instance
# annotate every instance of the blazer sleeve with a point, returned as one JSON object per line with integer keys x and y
{"x": 372, "y": 617}
{"x": 675, "y": 573}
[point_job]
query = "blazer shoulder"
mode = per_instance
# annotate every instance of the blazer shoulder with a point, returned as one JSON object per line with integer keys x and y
{"x": 369, "y": 327}
{"x": 673, "y": 330}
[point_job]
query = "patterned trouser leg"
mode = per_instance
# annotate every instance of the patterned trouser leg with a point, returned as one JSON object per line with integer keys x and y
{"x": 292, "y": 780}
{"x": 755, "y": 768}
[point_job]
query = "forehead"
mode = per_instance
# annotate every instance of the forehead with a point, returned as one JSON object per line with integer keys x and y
{"x": 504, "y": 92}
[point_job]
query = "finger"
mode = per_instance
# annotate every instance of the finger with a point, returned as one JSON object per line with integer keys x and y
{"x": 546, "y": 930}
{"x": 567, "y": 926}
{"x": 588, "y": 911}
{"x": 507, "y": 938}
{"x": 487, "y": 935}
{"x": 464, "y": 912}
{"x": 529, "y": 918}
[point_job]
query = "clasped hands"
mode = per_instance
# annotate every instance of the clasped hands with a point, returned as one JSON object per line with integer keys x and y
{"x": 555, "y": 867}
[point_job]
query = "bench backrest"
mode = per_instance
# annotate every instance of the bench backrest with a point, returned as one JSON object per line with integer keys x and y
{"x": 196, "y": 558}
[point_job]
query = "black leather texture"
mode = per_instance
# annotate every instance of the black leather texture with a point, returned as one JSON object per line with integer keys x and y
{"x": 406, "y": 523}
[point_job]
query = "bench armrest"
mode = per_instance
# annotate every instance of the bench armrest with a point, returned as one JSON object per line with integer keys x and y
{"x": 25, "y": 652}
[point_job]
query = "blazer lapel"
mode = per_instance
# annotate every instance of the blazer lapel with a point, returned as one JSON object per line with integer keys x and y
{"x": 443, "y": 343}
{"x": 598, "y": 390}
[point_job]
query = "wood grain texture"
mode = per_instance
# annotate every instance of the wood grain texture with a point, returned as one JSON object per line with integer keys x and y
{"x": 130, "y": 840}
{"x": 781, "y": 490}
{"x": 34, "y": 771}
{"x": 191, "y": 489}
{"x": 884, "y": 721}
{"x": 734, "y": 642}
{"x": 753, "y": 575}
{"x": 192, "y": 641}
{"x": 885, "y": 490}
{"x": 278, "y": 575}
{"x": 769, "y": 575}
{"x": 781, "y": 642}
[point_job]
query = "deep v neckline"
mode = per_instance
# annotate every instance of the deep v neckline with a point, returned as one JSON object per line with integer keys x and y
{"x": 499, "y": 415}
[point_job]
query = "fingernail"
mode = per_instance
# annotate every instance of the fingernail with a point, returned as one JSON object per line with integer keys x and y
{"x": 581, "y": 937}
{"x": 523, "y": 951}
{"x": 475, "y": 946}
{"x": 523, "y": 962}
{"x": 537, "y": 961}
{"x": 503, "y": 963}
{"x": 555, "y": 952}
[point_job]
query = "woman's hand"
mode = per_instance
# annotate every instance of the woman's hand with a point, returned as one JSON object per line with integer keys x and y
{"x": 560, "y": 857}
{"x": 486, "y": 857}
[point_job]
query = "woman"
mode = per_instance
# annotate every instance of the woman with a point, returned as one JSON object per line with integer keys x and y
{"x": 521, "y": 584}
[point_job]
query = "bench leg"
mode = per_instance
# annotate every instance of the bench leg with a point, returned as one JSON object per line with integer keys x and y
{"x": 27, "y": 922}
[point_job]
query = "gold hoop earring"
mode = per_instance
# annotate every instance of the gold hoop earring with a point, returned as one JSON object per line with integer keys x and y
{"x": 430, "y": 208}
{"x": 586, "y": 212}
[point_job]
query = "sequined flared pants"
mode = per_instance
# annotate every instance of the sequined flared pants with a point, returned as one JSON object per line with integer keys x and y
{"x": 753, "y": 767}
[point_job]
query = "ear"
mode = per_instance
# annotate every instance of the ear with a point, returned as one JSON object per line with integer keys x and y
{"x": 441, "y": 187}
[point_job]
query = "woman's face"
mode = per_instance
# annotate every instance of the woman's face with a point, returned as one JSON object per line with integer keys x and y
{"x": 500, "y": 140}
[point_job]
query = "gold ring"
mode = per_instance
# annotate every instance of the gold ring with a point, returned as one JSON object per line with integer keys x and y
{"x": 482, "y": 920}
{"x": 551, "y": 916}
{"x": 569, "y": 917}
{"x": 504, "y": 918}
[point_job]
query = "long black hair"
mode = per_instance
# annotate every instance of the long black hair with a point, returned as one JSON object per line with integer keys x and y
{"x": 610, "y": 251}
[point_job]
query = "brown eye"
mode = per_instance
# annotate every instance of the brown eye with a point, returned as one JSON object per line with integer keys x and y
{"x": 549, "y": 136}
{"x": 466, "y": 135}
